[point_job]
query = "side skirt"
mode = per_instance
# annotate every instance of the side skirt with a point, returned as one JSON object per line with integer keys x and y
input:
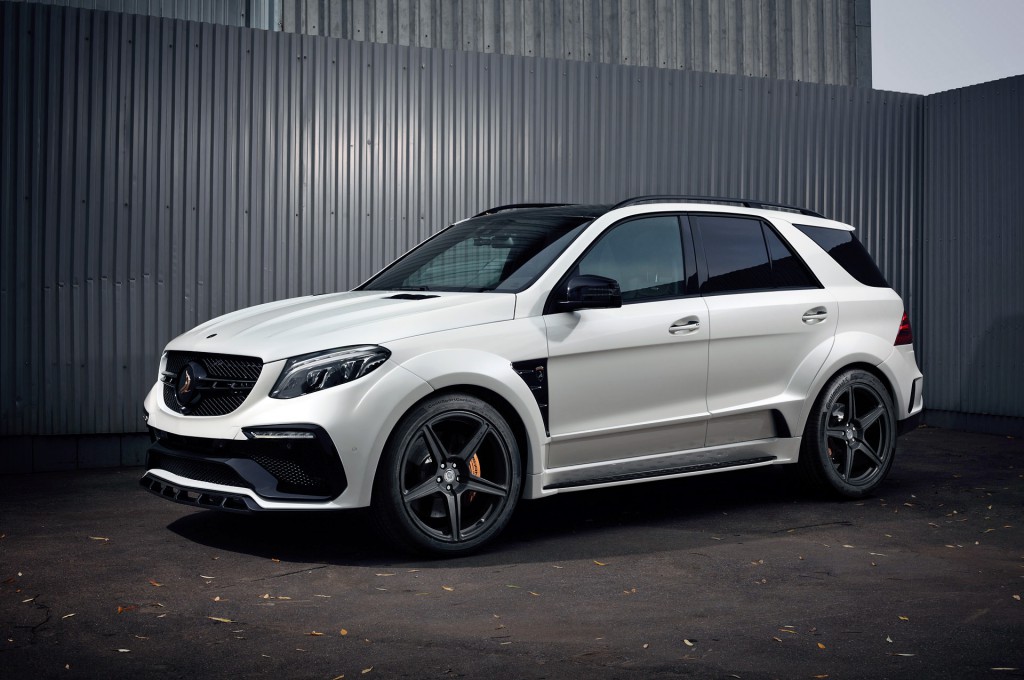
{"x": 776, "y": 450}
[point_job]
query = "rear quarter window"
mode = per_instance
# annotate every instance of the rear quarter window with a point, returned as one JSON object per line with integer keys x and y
{"x": 848, "y": 252}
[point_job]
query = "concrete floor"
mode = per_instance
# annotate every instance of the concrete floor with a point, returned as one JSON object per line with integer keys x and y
{"x": 724, "y": 576}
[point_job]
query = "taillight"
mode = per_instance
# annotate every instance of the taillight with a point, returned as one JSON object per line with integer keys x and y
{"x": 905, "y": 336}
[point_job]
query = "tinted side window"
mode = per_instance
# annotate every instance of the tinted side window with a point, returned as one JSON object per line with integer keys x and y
{"x": 735, "y": 251}
{"x": 645, "y": 256}
{"x": 788, "y": 270}
{"x": 845, "y": 249}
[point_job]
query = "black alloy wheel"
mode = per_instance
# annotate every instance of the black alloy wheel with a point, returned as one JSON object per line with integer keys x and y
{"x": 449, "y": 478}
{"x": 850, "y": 439}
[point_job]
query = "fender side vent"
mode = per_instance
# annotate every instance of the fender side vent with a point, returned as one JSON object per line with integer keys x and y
{"x": 534, "y": 373}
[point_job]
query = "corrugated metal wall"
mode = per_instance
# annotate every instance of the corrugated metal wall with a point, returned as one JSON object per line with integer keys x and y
{"x": 972, "y": 320}
{"x": 155, "y": 173}
{"x": 821, "y": 41}
{"x": 159, "y": 172}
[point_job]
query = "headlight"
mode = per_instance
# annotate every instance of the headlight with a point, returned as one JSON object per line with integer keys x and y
{"x": 320, "y": 370}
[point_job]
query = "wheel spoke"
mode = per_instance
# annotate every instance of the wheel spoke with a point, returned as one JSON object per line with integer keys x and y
{"x": 485, "y": 486}
{"x": 434, "y": 444}
{"x": 474, "y": 442}
{"x": 873, "y": 415}
{"x": 870, "y": 453}
{"x": 455, "y": 514}
{"x": 836, "y": 433}
{"x": 425, "y": 489}
{"x": 848, "y": 463}
{"x": 851, "y": 404}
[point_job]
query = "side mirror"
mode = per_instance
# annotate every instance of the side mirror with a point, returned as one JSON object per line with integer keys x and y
{"x": 588, "y": 292}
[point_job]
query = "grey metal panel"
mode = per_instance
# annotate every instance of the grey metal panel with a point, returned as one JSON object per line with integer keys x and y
{"x": 826, "y": 41}
{"x": 158, "y": 172}
{"x": 972, "y": 320}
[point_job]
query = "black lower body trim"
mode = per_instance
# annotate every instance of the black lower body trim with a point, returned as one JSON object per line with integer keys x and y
{"x": 663, "y": 472}
{"x": 907, "y": 424}
{"x": 197, "y": 497}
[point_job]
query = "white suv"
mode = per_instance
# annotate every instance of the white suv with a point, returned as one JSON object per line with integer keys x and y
{"x": 536, "y": 349}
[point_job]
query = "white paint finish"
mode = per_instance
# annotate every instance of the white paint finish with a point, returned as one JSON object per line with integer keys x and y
{"x": 279, "y": 330}
{"x": 760, "y": 345}
{"x": 614, "y": 368}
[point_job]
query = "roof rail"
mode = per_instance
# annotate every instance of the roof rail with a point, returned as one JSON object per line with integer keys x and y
{"x": 514, "y": 206}
{"x": 746, "y": 202}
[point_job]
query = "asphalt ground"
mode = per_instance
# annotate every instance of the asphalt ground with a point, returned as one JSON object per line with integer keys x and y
{"x": 735, "y": 575}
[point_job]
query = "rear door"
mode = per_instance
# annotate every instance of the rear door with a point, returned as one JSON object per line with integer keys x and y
{"x": 772, "y": 325}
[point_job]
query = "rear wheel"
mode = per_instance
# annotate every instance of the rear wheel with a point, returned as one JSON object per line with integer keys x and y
{"x": 449, "y": 478}
{"x": 850, "y": 439}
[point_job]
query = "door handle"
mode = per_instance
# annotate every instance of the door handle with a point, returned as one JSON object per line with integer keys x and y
{"x": 688, "y": 325}
{"x": 816, "y": 315}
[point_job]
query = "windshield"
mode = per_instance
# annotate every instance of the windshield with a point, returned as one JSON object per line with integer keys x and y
{"x": 504, "y": 253}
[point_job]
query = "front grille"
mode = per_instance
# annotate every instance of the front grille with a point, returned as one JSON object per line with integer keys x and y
{"x": 227, "y": 383}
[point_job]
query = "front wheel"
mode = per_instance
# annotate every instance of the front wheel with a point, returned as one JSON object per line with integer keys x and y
{"x": 449, "y": 477}
{"x": 850, "y": 439}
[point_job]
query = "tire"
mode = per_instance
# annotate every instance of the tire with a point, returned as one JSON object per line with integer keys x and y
{"x": 449, "y": 477}
{"x": 850, "y": 439}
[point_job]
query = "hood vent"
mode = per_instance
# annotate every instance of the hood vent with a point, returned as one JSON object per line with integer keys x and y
{"x": 410, "y": 296}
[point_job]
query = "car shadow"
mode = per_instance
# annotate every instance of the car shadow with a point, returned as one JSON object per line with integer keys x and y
{"x": 634, "y": 519}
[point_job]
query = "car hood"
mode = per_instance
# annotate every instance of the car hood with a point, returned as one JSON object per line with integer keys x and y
{"x": 287, "y": 328}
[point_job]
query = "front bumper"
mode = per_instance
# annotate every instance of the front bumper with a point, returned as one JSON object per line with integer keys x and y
{"x": 297, "y": 463}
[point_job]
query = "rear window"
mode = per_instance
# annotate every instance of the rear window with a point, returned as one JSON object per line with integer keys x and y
{"x": 845, "y": 249}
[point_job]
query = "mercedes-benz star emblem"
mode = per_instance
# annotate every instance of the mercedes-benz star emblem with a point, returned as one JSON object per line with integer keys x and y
{"x": 186, "y": 388}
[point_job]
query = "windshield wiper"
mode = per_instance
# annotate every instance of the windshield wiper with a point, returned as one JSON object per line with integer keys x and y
{"x": 409, "y": 288}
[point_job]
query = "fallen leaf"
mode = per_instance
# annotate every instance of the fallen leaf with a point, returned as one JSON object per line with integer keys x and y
{"x": 99, "y": 538}
{"x": 534, "y": 594}
{"x": 847, "y": 545}
{"x": 1017, "y": 597}
{"x": 384, "y": 574}
{"x": 282, "y": 597}
{"x": 448, "y": 588}
{"x": 124, "y": 650}
{"x": 904, "y": 618}
{"x": 786, "y": 630}
{"x": 777, "y": 639}
{"x": 314, "y": 634}
{"x": 274, "y": 559}
{"x": 509, "y": 585}
{"x": 343, "y": 632}
{"x": 131, "y": 607}
{"x": 222, "y": 620}
{"x": 338, "y": 677}
{"x": 141, "y": 637}
{"x": 155, "y": 584}
{"x": 687, "y": 643}
{"x": 66, "y": 616}
{"x": 211, "y": 577}
{"x": 601, "y": 564}
{"x": 32, "y": 598}
{"x": 820, "y": 677}
{"x": 646, "y": 645}
{"x": 821, "y": 646}
{"x": 888, "y": 639}
{"x": 366, "y": 670}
